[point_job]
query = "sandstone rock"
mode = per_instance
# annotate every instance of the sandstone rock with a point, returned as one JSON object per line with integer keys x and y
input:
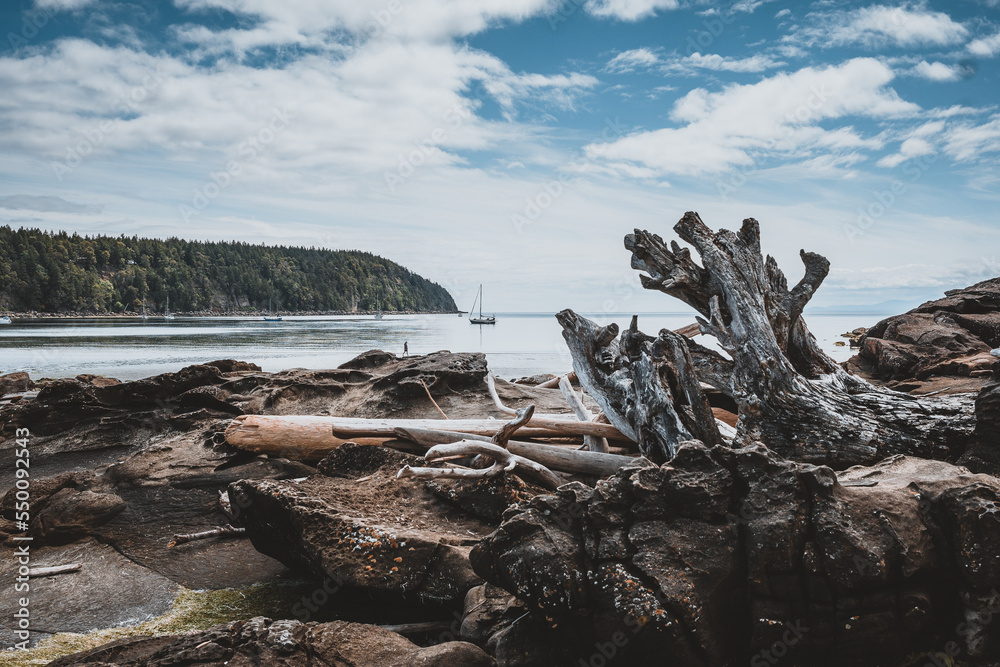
{"x": 13, "y": 383}
{"x": 948, "y": 336}
{"x": 364, "y": 529}
{"x": 722, "y": 555}
{"x": 265, "y": 643}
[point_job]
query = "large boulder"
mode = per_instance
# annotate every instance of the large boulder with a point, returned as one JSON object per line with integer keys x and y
{"x": 261, "y": 642}
{"x": 724, "y": 557}
{"x": 361, "y": 528}
{"x": 951, "y": 336}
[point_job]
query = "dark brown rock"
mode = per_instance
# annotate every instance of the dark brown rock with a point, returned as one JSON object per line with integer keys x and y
{"x": 723, "y": 555}
{"x": 14, "y": 383}
{"x": 949, "y": 336}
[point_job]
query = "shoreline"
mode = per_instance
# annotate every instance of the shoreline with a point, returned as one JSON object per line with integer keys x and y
{"x": 15, "y": 316}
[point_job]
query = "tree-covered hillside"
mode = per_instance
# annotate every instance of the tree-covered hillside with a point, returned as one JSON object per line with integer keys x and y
{"x": 59, "y": 272}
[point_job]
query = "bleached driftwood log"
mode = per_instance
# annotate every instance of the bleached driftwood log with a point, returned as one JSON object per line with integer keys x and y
{"x": 791, "y": 396}
{"x": 593, "y": 443}
{"x": 563, "y": 459}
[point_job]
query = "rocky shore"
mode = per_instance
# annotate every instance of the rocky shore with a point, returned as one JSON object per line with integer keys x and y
{"x": 726, "y": 554}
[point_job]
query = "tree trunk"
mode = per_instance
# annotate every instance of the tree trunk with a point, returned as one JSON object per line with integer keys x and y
{"x": 791, "y": 395}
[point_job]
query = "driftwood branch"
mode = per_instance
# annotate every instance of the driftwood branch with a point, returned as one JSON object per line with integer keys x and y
{"x": 507, "y": 431}
{"x": 53, "y": 569}
{"x": 436, "y": 406}
{"x": 492, "y": 386}
{"x": 553, "y": 457}
{"x": 219, "y": 531}
{"x": 554, "y": 382}
{"x": 592, "y": 443}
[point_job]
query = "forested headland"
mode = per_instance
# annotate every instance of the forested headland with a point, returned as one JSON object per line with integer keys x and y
{"x": 56, "y": 272}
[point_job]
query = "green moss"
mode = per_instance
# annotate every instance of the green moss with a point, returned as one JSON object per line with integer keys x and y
{"x": 191, "y": 611}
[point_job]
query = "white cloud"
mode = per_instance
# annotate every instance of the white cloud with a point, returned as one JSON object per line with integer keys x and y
{"x": 907, "y": 25}
{"x": 627, "y": 61}
{"x": 986, "y": 47}
{"x": 783, "y": 13}
{"x": 63, "y": 5}
{"x": 748, "y": 6}
{"x": 968, "y": 142}
{"x": 937, "y": 71}
{"x": 779, "y": 115}
{"x": 629, "y": 10}
{"x": 309, "y": 22}
{"x": 911, "y": 148}
{"x": 356, "y": 114}
{"x": 715, "y": 62}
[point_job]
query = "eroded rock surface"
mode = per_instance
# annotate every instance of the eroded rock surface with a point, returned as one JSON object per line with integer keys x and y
{"x": 951, "y": 336}
{"x": 261, "y": 642}
{"x": 723, "y": 556}
{"x": 360, "y": 527}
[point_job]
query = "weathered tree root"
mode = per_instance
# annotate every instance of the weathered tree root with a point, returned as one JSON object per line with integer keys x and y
{"x": 646, "y": 386}
{"x": 791, "y": 396}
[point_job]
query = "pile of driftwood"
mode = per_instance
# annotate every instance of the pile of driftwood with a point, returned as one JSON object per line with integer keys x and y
{"x": 580, "y": 443}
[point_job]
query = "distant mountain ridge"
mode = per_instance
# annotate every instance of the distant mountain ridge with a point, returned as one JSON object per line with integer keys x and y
{"x": 57, "y": 272}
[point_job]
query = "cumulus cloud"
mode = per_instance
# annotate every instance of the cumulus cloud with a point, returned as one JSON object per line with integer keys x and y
{"x": 985, "y": 47}
{"x": 937, "y": 71}
{"x": 907, "y": 25}
{"x": 780, "y": 115}
{"x": 629, "y": 10}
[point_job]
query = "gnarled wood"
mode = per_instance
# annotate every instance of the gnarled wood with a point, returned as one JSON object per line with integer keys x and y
{"x": 646, "y": 386}
{"x": 791, "y": 396}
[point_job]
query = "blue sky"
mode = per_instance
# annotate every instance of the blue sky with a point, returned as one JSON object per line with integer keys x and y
{"x": 515, "y": 142}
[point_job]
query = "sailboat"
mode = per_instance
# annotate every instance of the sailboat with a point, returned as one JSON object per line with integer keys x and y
{"x": 271, "y": 317}
{"x": 166, "y": 313}
{"x": 488, "y": 319}
{"x": 145, "y": 316}
{"x": 378, "y": 309}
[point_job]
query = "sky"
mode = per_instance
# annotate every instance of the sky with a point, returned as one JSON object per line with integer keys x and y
{"x": 514, "y": 143}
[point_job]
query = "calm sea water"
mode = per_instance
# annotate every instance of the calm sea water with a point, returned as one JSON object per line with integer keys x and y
{"x": 518, "y": 344}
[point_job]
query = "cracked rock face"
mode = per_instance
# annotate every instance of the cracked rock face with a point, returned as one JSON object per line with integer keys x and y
{"x": 725, "y": 556}
{"x": 261, "y": 642}
{"x": 951, "y": 336}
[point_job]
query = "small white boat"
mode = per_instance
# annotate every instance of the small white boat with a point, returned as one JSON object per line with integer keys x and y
{"x": 271, "y": 317}
{"x": 487, "y": 319}
{"x": 166, "y": 313}
{"x": 5, "y": 320}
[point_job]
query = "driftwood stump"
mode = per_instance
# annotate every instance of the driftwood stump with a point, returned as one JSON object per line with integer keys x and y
{"x": 790, "y": 394}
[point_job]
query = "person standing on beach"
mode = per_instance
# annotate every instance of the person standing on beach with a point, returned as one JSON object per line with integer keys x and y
{"x": 406, "y": 349}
